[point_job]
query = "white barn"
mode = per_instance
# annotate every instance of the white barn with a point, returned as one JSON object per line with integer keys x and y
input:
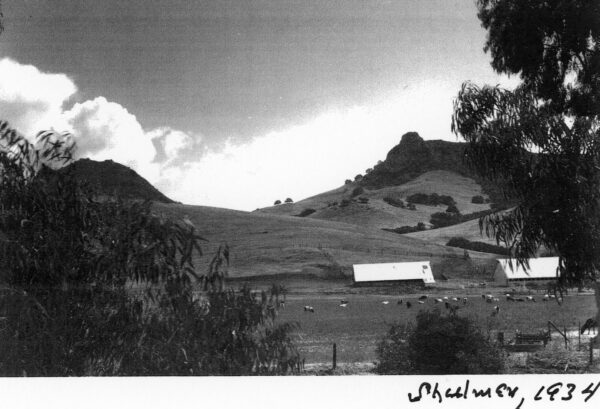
{"x": 418, "y": 272}
{"x": 540, "y": 270}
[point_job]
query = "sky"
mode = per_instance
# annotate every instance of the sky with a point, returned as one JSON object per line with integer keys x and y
{"x": 236, "y": 104}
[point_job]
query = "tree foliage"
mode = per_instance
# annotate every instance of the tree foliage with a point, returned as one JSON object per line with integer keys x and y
{"x": 438, "y": 344}
{"x": 90, "y": 287}
{"x": 542, "y": 138}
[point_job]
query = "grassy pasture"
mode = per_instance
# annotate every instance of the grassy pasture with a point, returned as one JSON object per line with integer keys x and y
{"x": 358, "y": 327}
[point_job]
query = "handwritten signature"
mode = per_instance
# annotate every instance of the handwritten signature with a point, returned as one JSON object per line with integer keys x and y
{"x": 555, "y": 391}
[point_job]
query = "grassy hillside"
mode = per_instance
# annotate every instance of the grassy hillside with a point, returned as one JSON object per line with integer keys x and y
{"x": 376, "y": 212}
{"x": 287, "y": 247}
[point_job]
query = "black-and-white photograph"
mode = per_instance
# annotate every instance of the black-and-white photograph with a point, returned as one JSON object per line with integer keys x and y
{"x": 300, "y": 187}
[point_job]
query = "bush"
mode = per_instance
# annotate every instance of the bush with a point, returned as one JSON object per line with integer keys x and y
{"x": 394, "y": 202}
{"x": 478, "y": 199}
{"x": 452, "y": 209}
{"x": 277, "y": 202}
{"x": 363, "y": 200}
{"x": 306, "y": 212}
{"x": 357, "y": 191}
{"x": 358, "y": 178}
{"x": 344, "y": 203}
{"x": 347, "y": 182}
{"x": 407, "y": 229}
{"x": 431, "y": 200}
{"x": 463, "y": 243}
{"x": 67, "y": 265}
{"x": 443, "y": 219}
{"x": 289, "y": 200}
{"x": 438, "y": 344}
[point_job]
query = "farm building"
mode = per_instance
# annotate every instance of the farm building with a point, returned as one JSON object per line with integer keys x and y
{"x": 540, "y": 270}
{"x": 415, "y": 273}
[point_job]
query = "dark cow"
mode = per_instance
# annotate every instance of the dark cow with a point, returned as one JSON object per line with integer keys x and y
{"x": 408, "y": 304}
{"x": 423, "y": 298}
{"x": 308, "y": 308}
{"x": 589, "y": 325}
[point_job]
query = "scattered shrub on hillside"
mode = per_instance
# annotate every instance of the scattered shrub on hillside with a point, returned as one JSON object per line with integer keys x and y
{"x": 358, "y": 190}
{"x": 431, "y": 200}
{"x": 289, "y": 200}
{"x": 347, "y": 182}
{"x": 363, "y": 200}
{"x": 463, "y": 243}
{"x": 67, "y": 263}
{"x": 394, "y": 202}
{"x": 369, "y": 171}
{"x": 443, "y": 219}
{"x": 408, "y": 229}
{"x": 438, "y": 344}
{"x": 277, "y": 202}
{"x": 478, "y": 199}
{"x": 358, "y": 178}
{"x": 344, "y": 202}
{"x": 452, "y": 209}
{"x": 306, "y": 212}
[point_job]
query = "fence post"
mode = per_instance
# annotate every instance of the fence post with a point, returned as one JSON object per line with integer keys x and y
{"x": 579, "y": 336}
{"x": 334, "y": 356}
{"x": 591, "y": 352}
{"x": 565, "y": 332}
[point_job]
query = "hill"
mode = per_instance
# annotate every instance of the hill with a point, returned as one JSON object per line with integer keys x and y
{"x": 381, "y": 198}
{"x": 116, "y": 180}
{"x": 284, "y": 247}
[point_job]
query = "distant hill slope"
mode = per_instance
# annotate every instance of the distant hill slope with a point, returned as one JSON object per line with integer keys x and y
{"x": 281, "y": 246}
{"x": 113, "y": 179}
{"x": 375, "y": 212}
{"x": 413, "y": 166}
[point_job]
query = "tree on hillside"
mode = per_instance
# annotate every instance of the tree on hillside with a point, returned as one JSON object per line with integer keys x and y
{"x": 543, "y": 138}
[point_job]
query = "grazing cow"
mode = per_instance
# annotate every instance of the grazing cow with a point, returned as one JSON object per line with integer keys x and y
{"x": 454, "y": 299}
{"x": 483, "y": 296}
{"x": 308, "y": 308}
{"x": 496, "y": 299}
{"x": 589, "y": 325}
{"x": 496, "y": 311}
{"x": 421, "y": 302}
{"x": 546, "y": 297}
{"x": 282, "y": 304}
{"x": 400, "y": 301}
{"x": 423, "y": 297}
{"x": 343, "y": 303}
{"x": 438, "y": 300}
{"x": 447, "y": 305}
{"x": 385, "y": 302}
{"x": 408, "y": 304}
{"x": 465, "y": 300}
{"x": 510, "y": 298}
{"x": 530, "y": 298}
{"x": 520, "y": 299}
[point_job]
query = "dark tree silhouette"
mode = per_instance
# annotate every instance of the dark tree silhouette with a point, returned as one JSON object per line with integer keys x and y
{"x": 542, "y": 139}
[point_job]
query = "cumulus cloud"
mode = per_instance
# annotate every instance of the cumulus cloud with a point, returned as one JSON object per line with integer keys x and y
{"x": 32, "y": 100}
{"x": 298, "y": 161}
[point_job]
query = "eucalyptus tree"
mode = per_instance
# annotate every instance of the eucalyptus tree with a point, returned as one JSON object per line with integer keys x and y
{"x": 541, "y": 139}
{"x": 91, "y": 286}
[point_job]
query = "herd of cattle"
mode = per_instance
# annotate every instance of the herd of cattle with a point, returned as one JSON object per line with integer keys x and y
{"x": 452, "y": 304}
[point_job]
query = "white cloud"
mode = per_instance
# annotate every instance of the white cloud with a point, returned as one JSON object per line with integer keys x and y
{"x": 32, "y": 100}
{"x": 299, "y": 161}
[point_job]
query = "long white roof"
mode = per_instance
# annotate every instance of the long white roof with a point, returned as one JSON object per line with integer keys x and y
{"x": 544, "y": 267}
{"x": 419, "y": 270}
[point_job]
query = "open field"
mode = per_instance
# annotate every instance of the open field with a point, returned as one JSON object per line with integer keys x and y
{"x": 357, "y": 328}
